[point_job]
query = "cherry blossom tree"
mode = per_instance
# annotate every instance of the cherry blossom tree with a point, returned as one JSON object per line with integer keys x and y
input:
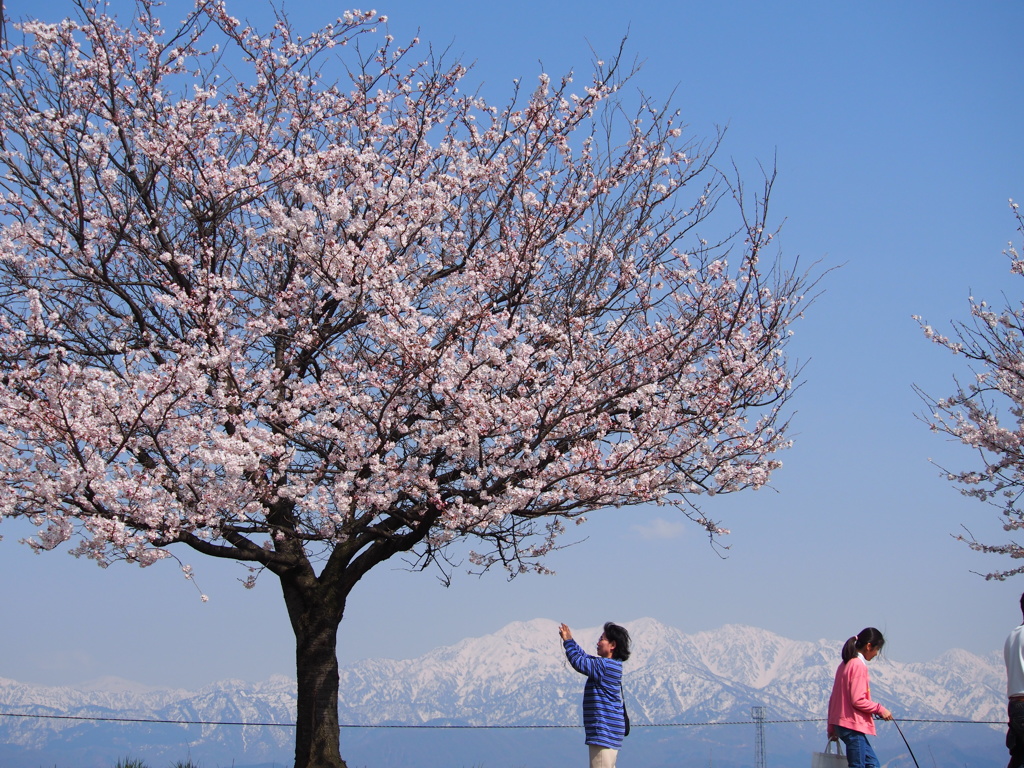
{"x": 987, "y": 413}
{"x": 311, "y": 321}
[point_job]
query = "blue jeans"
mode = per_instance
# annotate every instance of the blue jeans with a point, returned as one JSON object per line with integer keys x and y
{"x": 859, "y": 753}
{"x": 1015, "y": 734}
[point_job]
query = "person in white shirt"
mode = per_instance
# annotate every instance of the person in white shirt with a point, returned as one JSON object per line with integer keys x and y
{"x": 1013, "y": 655}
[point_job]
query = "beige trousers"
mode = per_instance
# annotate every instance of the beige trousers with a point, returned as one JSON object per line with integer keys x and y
{"x": 602, "y": 757}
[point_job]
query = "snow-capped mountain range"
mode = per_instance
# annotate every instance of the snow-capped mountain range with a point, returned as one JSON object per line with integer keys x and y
{"x": 519, "y": 677}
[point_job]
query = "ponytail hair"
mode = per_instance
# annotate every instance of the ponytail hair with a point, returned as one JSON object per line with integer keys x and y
{"x": 856, "y": 643}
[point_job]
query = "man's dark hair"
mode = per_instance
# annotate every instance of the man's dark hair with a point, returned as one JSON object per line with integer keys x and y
{"x": 615, "y": 634}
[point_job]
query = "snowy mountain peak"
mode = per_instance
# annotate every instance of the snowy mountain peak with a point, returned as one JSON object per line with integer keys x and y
{"x": 517, "y": 676}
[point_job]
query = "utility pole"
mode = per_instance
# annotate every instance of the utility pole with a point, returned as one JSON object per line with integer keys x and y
{"x": 759, "y": 755}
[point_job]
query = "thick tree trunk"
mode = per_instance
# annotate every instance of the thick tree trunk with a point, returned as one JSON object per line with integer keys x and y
{"x": 315, "y": 621}
{"x": 316, "y": 723}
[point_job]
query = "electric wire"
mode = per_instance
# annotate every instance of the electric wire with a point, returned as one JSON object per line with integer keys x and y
{"x": 456, "y": 726}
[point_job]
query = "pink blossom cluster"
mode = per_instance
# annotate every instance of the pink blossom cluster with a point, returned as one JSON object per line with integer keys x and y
{"x": 986, "y": 412}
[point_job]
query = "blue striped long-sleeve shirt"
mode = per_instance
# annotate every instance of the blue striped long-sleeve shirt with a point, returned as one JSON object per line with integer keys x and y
{"x": 603, "y": 713}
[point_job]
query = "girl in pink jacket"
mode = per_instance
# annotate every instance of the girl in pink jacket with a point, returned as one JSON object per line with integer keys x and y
{"x": 850, "y": 708}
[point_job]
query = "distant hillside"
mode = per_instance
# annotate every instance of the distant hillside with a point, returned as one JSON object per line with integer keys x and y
{"x": 519, "y": 677}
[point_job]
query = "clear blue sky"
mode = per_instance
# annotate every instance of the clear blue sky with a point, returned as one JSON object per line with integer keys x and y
{"x": 896, "y": 131}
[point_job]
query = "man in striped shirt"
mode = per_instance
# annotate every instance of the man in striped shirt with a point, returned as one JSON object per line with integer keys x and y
{"x": 604, "y": 713}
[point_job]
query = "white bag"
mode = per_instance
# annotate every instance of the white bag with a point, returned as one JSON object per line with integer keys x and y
{"x": 828, "y": 758}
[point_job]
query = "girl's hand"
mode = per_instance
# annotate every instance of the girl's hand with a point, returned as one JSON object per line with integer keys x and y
{"x": 564, "y": 632}
{"x": 885, "y": 714}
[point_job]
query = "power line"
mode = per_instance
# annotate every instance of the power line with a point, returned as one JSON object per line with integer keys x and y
{"x": 94, "y": 718}
{"x": 758, "y": 722}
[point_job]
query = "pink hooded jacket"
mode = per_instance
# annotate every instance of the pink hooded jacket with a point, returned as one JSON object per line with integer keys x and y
{"x": 850, "y": 704}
